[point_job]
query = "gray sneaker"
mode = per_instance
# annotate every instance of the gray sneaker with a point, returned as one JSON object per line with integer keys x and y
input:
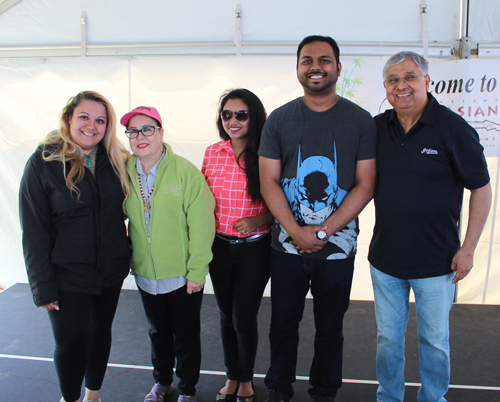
{"x": 186, "y": 398}
{"x": 159, "y": 392}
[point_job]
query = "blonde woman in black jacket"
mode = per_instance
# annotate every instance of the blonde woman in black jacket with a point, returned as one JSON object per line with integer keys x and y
{"x": 74, "y": 240}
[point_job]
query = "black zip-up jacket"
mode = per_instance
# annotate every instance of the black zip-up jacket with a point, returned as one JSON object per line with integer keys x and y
{"x": 79, "y": 246}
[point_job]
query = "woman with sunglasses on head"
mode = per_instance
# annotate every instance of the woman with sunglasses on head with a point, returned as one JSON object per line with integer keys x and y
{"x": 74, "y": 237}
{"x": 240, "y": 267}
{"x": 171, "y": 225}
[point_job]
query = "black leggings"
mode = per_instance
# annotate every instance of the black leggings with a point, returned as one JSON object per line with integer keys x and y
{"x": 82, "y": 332}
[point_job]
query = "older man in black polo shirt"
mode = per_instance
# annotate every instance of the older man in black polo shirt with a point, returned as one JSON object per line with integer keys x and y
{"x": 427, "y": 154}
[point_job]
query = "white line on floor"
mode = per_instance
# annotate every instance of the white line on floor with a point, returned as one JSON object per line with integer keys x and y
{"x": 222, "y": 373}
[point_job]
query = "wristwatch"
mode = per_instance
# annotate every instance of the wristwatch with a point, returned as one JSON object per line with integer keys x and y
{"x": 321, "y": 235}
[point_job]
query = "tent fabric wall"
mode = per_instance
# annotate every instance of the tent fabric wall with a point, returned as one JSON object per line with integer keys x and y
{"x": 483, "y": 19}
{"x": 186, "y": 91}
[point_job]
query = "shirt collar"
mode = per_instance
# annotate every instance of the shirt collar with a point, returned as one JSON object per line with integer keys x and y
{"x": 430, "y": 113}
{"x": 225, "y": 145}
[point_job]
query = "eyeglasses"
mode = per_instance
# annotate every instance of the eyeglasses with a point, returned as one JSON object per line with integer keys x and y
{"x": 146, "y": 131}
{"x": 406, "y": 78}
{"x": 240, "y": 115}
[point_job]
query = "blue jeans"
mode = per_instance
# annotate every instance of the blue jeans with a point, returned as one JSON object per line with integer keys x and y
{"x": 433, "y": 299}
{"x": 239, "y": 274}
{"x": 330, "y": 282}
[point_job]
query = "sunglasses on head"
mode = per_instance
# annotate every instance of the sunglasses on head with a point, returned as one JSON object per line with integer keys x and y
{"x": 240, "y": 115}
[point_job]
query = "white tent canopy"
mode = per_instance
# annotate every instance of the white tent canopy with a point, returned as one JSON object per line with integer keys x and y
{"x": 210, "y": 24}
{"x": 180, "y": 55}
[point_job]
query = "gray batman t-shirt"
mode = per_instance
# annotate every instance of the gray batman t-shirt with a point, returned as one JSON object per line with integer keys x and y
{"x": 318, "y": 153}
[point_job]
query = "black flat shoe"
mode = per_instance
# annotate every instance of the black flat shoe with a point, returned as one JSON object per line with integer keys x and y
{"x": 244, "y": 398}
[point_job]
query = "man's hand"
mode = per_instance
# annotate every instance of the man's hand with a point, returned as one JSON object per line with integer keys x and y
{"x": 479, "y": 206}
{"x": 193, "y": 287}
{"x": 52, "y": 306}
{"x": 305, "y": 240}
{"x": 462, "y": 264}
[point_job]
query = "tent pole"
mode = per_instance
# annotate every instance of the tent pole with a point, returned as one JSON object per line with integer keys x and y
{"x": 464, "y": 53}
{"x": 492, "y": 232}
{"x": 460, "y": 220}
{"x": 238, "y": 30}
{"x": 425, "y": 33}
{"x": 84, "y": 34}
{"x": 464, "y": 50}
{"x": 6, "y": 4}
{"x": 129, "y": 73}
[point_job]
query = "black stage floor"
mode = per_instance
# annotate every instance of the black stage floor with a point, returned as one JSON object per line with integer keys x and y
{"x": 27, "y": 372}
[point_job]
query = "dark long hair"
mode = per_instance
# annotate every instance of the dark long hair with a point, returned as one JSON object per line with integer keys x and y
{"x": 257, "y": 115}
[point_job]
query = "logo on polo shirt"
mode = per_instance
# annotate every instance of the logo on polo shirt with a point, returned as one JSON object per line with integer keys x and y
{"x": 429, "y": 151}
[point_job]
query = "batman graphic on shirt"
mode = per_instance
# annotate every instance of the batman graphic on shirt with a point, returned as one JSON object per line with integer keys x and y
{"x": 313, "y": 195}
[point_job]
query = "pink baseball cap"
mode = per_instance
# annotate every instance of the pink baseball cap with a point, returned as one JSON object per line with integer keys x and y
{"x": 146, "y": 110}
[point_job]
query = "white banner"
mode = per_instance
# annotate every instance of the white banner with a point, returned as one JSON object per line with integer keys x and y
{"x": 471, "y": 89}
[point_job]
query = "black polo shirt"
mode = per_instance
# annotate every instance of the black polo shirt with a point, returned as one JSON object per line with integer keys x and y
{"x": 421, "y": 178}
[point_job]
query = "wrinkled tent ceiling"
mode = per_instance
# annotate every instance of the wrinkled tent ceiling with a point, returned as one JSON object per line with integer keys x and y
{"x": 61, "y": 28}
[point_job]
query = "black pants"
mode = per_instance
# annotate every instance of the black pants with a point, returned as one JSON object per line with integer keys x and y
{"x": 82, "y": 333}
{"x": 330, "y": 283}
{"x": 174, "y": 320}
{"x": 239, "y": 274}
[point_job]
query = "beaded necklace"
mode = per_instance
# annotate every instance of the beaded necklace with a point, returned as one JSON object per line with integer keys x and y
{"x": 145, "y": 200}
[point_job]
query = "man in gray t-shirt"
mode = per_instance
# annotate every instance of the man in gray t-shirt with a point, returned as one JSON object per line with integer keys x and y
{"x": 317, "y": 172}
{"x": 318, "y": 153}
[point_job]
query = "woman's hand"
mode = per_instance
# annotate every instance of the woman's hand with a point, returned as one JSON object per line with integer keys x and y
{"x": 247, "y": 225}
{"x": 193, "y": 287}
{"x": 52, "y": 306}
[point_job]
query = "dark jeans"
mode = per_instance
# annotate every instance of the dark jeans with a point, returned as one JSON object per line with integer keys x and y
{"x": 239, "y": 274}
{"x": 174, "y": 320}
{"x": 82, "y": 333}
{"x": 330, "y": 282}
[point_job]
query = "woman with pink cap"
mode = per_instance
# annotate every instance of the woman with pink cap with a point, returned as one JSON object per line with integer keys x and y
{"x": 171, "y": 225}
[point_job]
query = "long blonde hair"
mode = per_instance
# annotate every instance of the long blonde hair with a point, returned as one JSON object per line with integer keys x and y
{"x": 68, "y": 150}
